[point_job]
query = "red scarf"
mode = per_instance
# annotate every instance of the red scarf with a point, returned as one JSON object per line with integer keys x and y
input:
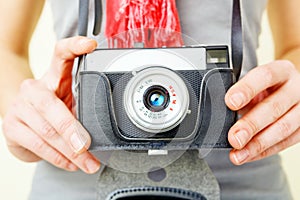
{"x": 155, "y": 23}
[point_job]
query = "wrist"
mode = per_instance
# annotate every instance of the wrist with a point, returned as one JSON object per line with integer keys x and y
{"x": 10, "y": 81}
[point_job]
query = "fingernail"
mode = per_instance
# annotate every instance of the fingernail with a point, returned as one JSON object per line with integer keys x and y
{"x": 241, "y": 138}
{"x": 78, "y": 142}
{"x": 241, "y": 156}
{"x": 237, "y": 100}
{"x": 92, "y": 165}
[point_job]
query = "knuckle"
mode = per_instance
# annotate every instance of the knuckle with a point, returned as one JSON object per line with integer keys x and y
{"x": 46, "y": 130}
{"x": 45, "y": 102}
{"x": 259, "y": 145}
{"x": 74, "y": 156}
{"x": 66, "y": 126}
{"x": 27, "y": 84}
{"x": 15, "y": 107}
{"x": 276, "y": 109}
{"x": 267, "y": 74}
{"x": 7, "y": 128}
{"x": 284, "y": 144}
{"x": 288, "y": 65}
{"x": 5, "y": 125}
{"x": 59, "y": 160}
{"x": 248, "y": 90}
{"x": 264, "y": 154}
{"x": 38, "y": 146}
{"x": 284, "y": 129}
{"x": 250, "y": 124}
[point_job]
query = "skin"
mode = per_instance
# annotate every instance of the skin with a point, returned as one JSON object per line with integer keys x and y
{"x": 267, "y": 97}
{"x": 32, "y": 126}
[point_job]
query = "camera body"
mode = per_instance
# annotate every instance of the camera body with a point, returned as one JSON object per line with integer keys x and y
{"x": 156, "y": 98}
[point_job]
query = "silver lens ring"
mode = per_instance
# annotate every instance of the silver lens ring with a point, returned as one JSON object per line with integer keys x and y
{"x": 156, "y": 120}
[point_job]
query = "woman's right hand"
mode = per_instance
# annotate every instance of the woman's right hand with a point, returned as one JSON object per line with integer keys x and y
{"x": 40, "y": 125}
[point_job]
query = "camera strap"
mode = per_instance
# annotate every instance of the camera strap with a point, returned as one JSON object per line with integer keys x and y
{"x": 236, "y": 39}
{"x": 84, "y": 17}
{"x": 236, "y": 29}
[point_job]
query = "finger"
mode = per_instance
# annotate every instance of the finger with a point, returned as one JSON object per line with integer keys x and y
{"x": 66, "y": 51}
{"x": 256, "y": 81}
{"x": 22, "y": 153}
{"x": 263, "y": 114}
{"x": 70, "y": 48}
{"x": 25, "y": 137}
{"x": 55, "y": 112}
{"x": 41, "y": 127}
{"x": 17, "y": 150}
{"x": 284, "y": 144}
{"x": 274, "y": 134}
{"x": 260, "y": 97}
{"x": 36, "y": 122}
{"x": 85, "y": 161}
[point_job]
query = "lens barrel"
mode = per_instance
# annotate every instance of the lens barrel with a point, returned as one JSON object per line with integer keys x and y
{"x": 156, "y": 98}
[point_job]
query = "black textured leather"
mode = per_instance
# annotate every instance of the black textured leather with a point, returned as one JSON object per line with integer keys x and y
{"x": 97, "y": 114}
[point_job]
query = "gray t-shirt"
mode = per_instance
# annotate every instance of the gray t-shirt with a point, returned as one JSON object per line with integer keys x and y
{"x": 208, "y": 22}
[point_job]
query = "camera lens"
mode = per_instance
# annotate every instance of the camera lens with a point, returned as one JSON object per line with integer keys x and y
{"x": 156, "y": 98}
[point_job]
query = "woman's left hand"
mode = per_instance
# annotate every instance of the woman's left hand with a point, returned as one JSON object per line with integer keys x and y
{"x": 268, "y": 98}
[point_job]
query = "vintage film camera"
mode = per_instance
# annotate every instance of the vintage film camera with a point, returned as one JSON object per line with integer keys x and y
{"x": 156, "y": 98}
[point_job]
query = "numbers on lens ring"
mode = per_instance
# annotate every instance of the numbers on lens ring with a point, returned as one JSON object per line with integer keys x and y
{"x": 152, "y": 115}
{"x": 139, "y": 89}
{"x": 148, "y": 81}
{"x": 142, "y": 86}
{"x": 173, "y": 93}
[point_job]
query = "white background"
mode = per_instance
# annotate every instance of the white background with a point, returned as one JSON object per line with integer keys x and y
{"x": 16, "y": 176}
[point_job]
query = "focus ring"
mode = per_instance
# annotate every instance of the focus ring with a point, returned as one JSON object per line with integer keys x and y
{"x": 169, "y": 103}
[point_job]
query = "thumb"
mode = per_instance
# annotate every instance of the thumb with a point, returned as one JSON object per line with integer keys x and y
{"x": 66, "y": 50}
